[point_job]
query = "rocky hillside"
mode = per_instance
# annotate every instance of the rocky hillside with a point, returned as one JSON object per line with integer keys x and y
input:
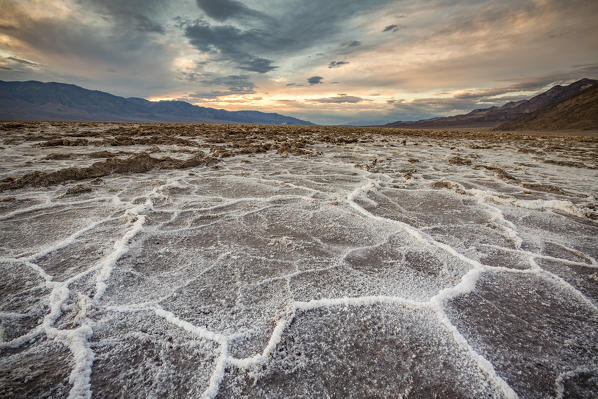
{"x": 579, "y": 111}
{"x": 495, "y": 116}
{"x": 34, "y": 100}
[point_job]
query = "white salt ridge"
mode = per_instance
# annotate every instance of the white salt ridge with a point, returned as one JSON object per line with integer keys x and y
{"x": 558, "y": 280}
{"x": 539, "y": 204}
{"x": 137, "y": 219}
{"x": 274, "y": 340}
{"x": 358, "y": 301}
{"x": 64, "y": 243}
{"x": 528, "y": 254}
{"x": 78, "y": 342}
{"x": 48, "y": 204}
{"x": 120, "y": 248}
{"x": 466, "y": 285}
{"x": 470, "y": 279}
{"x": 199, "y": 331}
{"x": 77, "y": 339}
{"x": 214, "y": 383}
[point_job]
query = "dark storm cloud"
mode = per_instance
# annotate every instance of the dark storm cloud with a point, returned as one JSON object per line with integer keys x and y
{"x": 236, "y": 84}
{"x": 137, "y": 14}
{"x": 110, "y": 55}
{"x": 338, "y": 99}
{"x": 257, "y": 45}
{"x": 535, "y": 84}
{"x": 468, "y": 95}
{"x": 257, "y": 64}
{"x": 22, "y": 62}
{"x": 391, "y": 28}
{"x": 525, "y": 86}
{"x": 424, "y": 108}
{"x": 232, "y": 44}
{"x": 202, "y": 95}
{"x": 222, "y": 10}
{"x": 589, "y": 69}
{"x": 165, "y": 48}
{"x": 349, "y": 47}
{"x": 540, "y": 82}
{"x": 351, "y": 44}
{"x": 222, "y": 85}
{"x": 336, "y": 64}
{"x": 315, "y": 80}
{"x": 56, "y": 38}
{"x": 308, "y": 22}
{"x": 15, "y": 64}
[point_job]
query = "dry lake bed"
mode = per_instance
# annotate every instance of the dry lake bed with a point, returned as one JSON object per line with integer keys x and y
{"x": 174, "y": 260}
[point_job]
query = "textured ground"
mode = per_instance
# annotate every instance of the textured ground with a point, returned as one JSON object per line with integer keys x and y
{"x": 250, "y": 261}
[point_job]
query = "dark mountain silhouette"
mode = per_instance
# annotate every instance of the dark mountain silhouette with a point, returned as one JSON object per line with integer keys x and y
{"x": 579, "y": 111}
{"x": 34, "y": 100}
{"x": 494, "y": 116}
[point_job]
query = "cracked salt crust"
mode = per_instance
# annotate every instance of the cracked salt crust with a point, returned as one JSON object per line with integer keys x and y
{"x": 297, "y": 276}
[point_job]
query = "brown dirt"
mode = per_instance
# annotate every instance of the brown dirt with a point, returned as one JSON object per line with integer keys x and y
{"x": 64, "y": 142}
{"x": 372, "y": 167}
{"x": 571, "y": 164}
{"x": 59, "y": 156}
{"x": 231, "y": 140}
{"x": 125, "y": 140}
{"x": 547, "y": 188}
{"x": 448, "y": 185}
{"x": 529, "y": 165}
{"x": 459, "y": 161}
{"x": 12, "y": 125}
{"x": 79, "y": 189}
{"x": 407, "y": 173}
{"x": 106, "y": 154}
{"x": 135, "y": 164}
{"x": 294, "y": 148}
{"x": 499, "y": 172}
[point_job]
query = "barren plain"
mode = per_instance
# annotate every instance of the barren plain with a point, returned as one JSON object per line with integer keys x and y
{"x": 178, "y": 260}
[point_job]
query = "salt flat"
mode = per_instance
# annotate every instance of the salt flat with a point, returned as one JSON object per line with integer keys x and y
{"x": 253, "y": 261}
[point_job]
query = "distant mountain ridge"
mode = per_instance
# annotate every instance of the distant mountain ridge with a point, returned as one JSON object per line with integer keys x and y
{"x": 494, "y": 116}
{"x": 33, "y": 100}
{"x": 579, "y": 111}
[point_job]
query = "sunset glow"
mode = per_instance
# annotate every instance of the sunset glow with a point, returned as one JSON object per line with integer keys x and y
{"x": 336, "y": 62}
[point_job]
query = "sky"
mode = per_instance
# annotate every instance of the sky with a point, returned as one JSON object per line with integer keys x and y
{"x": 326, "y": 61}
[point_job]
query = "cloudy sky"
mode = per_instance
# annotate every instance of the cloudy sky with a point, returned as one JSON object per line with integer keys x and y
{"x": 327, "y": 61}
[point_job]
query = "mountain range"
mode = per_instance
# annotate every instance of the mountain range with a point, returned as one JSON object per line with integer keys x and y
{"x": 566, "y": 112}
{"x": 579, "y": 111}
{"x": 562, "y": 107}
{"x": 34, "y": 100}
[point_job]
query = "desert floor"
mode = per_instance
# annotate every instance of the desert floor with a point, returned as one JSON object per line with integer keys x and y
{"x": 175, "y": 260}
